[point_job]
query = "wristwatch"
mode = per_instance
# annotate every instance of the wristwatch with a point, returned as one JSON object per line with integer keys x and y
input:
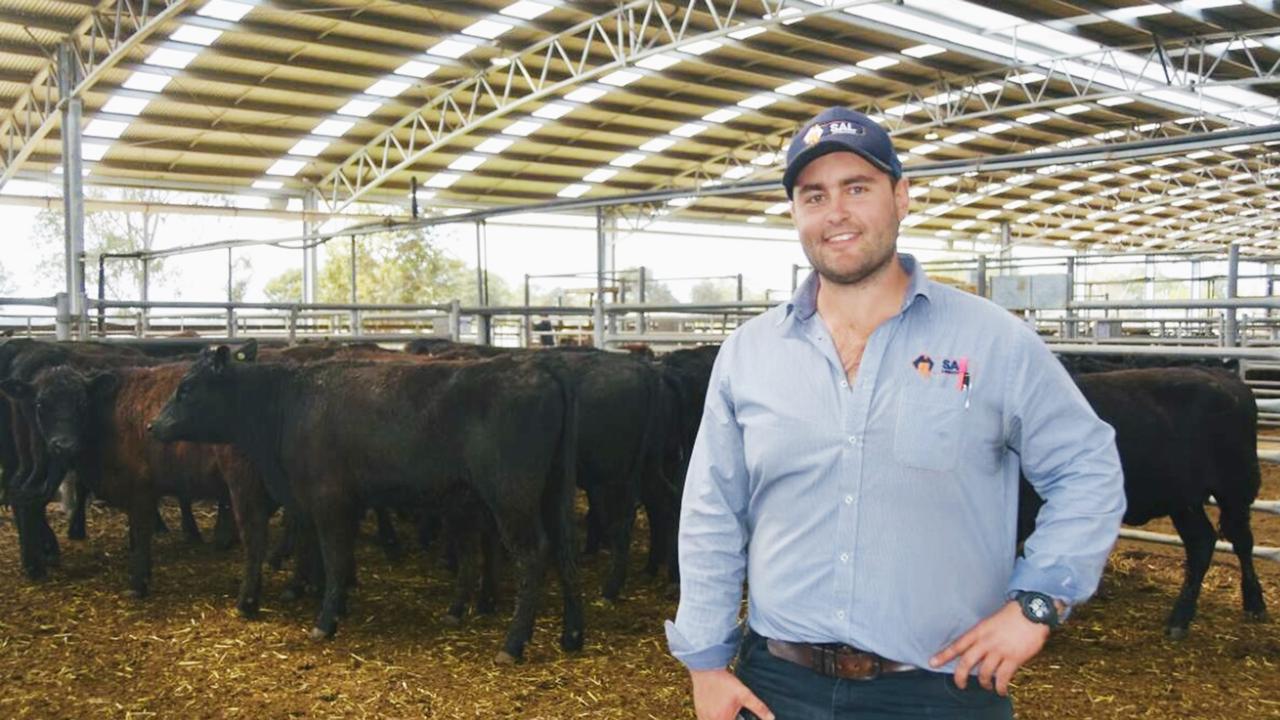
{"x": 1038, "y": 608}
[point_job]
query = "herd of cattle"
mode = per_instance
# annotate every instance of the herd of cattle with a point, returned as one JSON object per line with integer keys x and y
{"x": 487, "y": 448}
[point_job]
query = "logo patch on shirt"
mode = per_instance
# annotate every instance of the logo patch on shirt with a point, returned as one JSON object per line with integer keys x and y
{"x": 923, "y": 365}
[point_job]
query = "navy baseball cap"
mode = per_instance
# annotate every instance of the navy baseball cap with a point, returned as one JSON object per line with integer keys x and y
{"x": 840, "y": 129}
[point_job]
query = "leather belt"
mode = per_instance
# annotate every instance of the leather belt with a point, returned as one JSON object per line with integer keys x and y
{"x": 838, "y": 661}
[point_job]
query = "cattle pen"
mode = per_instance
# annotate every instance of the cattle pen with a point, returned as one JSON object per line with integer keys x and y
{"x": 353, "y": 353}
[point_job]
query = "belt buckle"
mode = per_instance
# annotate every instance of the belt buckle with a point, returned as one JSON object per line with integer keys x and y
{"x": 874, "y": 669}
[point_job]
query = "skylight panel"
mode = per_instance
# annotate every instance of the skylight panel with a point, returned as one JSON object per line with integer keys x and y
{"x": 586, "y": 94}
{"x": 1164, "y": 161}
{"x": 494, "y": 145}
{"x": 225, "y": 10}
{"x": 599, "y": 175}
{"x": 417, "y": 69}
{"x": 658, "y": 62}
{"x": 286, "y": 167}
{"x": 125, "y": 105}
{"x": 1027, "y": 77}
{"x": 658, "y": 144}
{"x": 984, "y": 88}
{"x": 794, "y": 88}
{"x": 267, "y": 185}
{"x": 756, "y": 219}
{"x": 755, "y": 102}
{"x": 944, "y": 181}
{"x": 765, "y": 159}
{"x": 835, "y": 75}
{"x": 93, "y": 152}
{"x": 553, "y": 111}
{"x": 451, "y": 49}
{"x": 442, "y": 180}
{"x": 621, "y": 78}
{"x": 1114, "y": 101}
{"x": 195, "y": 35}
{"x": 1199, "y": 154}
{"x": 308, "y": 148}
{"x": 917, "y": 191}
{"x": 1044, "y": 195}
{"x": 170, "y": 58}
{"x": 1138, "y": 11}
{"x": 149, "y": 82}
{"x": 777, "y": 209}
{"x": 879, "y": 62}
{"x": 525, "y": 9}
{"x": 1207, "y": 4}
{"x": 487, "y": 29}
{"x": 627, "y": 160}
{"x": 1073, "y": 109}
{"x": 958, "y": 138}
{"x": 110, "y": 129}
{"x": 994, "y": 128}
{"x": 1073, "y": 185}
{"x": 721, "y": 115}
{"x": 333, "y": 128}
{"x": 923, "y": 51}
{"x": 1033, "y": 118}
{"x": 575, "y": 190}
{"x": 521, "y": 128}
{"x": 358, "y": 108}
{"x": 745, "y": 33}
{"x": 387, "y": 87}
{"x": 924, "y": 149}
{"x": 1100, "y": 177}
{"x": 688, "y": 130}
{"x": 467, "y": 163}
{"x": 737, "y": 172}
{"x": 1014, "y": 204}
{"x": 701, "y": 47}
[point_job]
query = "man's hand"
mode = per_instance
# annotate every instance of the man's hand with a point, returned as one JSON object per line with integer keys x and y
{"x": 718, "y": 695}
{"x": 997, "y": 646}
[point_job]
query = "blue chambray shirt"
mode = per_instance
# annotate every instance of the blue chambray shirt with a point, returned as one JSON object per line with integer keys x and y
{"x": 882, "y": 513}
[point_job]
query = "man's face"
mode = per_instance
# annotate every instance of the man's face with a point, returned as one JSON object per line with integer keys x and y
{"x": 847, "y": 213}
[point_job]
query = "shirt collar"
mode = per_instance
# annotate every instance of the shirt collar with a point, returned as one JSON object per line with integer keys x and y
{"x": 804, "y": 303}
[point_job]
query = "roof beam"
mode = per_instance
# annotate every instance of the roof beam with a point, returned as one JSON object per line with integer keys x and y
{"x": 630, "y": 32}
{"x": 119, "y": 25}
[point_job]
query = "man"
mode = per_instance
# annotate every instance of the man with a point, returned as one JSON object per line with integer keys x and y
{"x": 872, "y": 505}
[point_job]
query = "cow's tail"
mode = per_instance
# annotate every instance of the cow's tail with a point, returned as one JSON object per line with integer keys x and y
{"x": 562, "y": 480}
{"x": 1233, "y": 516}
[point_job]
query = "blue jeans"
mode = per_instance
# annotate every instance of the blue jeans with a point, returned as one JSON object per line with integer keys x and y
{"x": 794, "y": 692}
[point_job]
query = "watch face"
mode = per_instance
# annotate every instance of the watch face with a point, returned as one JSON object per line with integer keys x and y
{"x": 1038, "y": 607}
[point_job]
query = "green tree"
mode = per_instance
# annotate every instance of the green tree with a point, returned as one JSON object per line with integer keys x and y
{"x": 712, "y": 291}
{"x": 285, "y": 287}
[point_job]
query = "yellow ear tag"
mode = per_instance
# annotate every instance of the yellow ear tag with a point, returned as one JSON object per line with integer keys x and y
{"x": 239, "y": 356}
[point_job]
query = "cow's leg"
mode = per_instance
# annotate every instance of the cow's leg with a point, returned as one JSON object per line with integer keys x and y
{"x": 142, "y": 514}
{"x": 525, "y": 538}
{"x": 557, "y": 511}
{"x": 1235, "y": 528}
{"x": 76, "y": 525}
{"x": 158, "y": 523}
{"x": 30, "y": 542}
{"x": 284, "y": 548}
{"x": 387, "y": 537}
{"x": 224, "y": 529}
{"x": 1198, "y": 538}
{"x": 190, "y": 529}
{"x": 460, "y": 527}
{"x": 595, "y": 526}
{"x": 491, "y": 559}
{"x": 428, "y": 529}
{"x": 249, "y": 504}
{"x": 336, "y": 528}
{"x": 48, "y": 538}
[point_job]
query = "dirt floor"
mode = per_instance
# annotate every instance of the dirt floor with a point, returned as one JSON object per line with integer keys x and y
{"x": 76, "y": 647}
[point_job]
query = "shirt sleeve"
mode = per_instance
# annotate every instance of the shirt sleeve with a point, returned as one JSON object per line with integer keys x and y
{"x": 1069, "y": 456}
{"x": 713, "y": 534}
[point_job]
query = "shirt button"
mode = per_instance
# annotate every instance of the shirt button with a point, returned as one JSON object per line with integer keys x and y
{"x": 844, "y": 557}
{"x": 840, "y": 614}
{"x": 844, "y": 383}
{"x": 853, "y": 439}
{"x": 848, "y": 499}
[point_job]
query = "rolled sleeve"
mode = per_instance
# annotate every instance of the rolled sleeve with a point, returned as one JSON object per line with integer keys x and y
{"x": 1069, "y": 456}
{"x": 713, "y": 534}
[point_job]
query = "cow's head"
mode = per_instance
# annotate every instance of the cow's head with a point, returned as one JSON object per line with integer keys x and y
{"x": 203, "y": 407}
{"x": 64, "y": 401}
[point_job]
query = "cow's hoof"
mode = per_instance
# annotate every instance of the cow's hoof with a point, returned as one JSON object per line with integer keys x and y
{"x": 318, "y": 634}
{"x": 1257, "y": 616}
{"x": 504, "y": 658}
{"x": 137, "y": 593}
{"x": 36, "y": 574}
{"x": 248, "y": 609}
{"x": 571, "y": 641}
{"x": 1175, "y": 633}
{"x": 451, "y": 620}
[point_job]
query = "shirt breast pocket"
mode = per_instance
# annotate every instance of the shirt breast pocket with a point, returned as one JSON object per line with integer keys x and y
{"x": 928, "y": 431}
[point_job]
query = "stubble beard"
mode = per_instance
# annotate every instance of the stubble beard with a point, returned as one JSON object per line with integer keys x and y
{"x": 860, "y": 272}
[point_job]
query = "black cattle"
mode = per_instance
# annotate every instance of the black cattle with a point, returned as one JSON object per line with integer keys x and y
{"x": 96, "y": 425}
{"x": 1087, "y": 364}
{"x": 1184, "y": 435}
{"x": 336, "y": 436}
{"x": 620, "y": 444}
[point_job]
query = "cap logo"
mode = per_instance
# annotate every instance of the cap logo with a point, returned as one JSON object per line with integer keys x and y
{"x": 812, "y": 137}
{"x": 844, "y": 127}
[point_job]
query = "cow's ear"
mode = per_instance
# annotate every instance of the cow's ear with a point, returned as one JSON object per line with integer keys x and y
{"x": 102, "y": 384}
{"x": 221, "y": 357}
{"x": 248, "y": 352}
{"x": 17, "y": 389}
